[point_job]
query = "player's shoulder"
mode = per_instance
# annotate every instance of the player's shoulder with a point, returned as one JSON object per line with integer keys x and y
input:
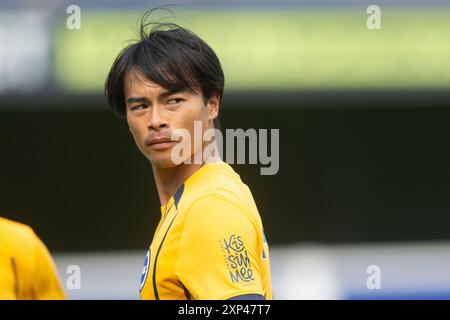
{"x": 16, "y": 229}
{"x": 218, "y": 188}
{"x": 215, "y": 181}
{"x": 18, "y": 240}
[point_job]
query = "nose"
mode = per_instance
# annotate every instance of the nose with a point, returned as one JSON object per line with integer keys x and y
{"x": 157, "y": 120}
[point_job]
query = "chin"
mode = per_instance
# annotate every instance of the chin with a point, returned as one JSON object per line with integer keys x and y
{"x": 162, "y": 162}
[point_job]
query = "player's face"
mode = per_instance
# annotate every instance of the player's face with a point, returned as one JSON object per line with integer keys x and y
{"x": 153, "y": 114}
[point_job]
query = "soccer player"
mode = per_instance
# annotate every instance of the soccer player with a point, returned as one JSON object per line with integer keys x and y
{"x": 209, "y": 243}
{"x": 27, "y": 271}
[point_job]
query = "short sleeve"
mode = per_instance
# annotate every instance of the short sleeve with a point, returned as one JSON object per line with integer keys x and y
{"x": 46, "y": 282}
{"x": 219, "y": 252}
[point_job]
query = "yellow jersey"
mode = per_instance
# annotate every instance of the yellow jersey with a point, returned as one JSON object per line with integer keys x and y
{"x": 26, "y": 267}
{"x": 209, "y": 243}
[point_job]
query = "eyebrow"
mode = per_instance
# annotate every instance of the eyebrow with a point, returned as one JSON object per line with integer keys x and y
{"x": 161, "y": 96}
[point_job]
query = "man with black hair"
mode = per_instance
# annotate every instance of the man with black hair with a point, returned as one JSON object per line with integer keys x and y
{"x": 210, "y": 242}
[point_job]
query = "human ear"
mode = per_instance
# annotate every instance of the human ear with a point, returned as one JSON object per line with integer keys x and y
{"x": 213, "y": 106}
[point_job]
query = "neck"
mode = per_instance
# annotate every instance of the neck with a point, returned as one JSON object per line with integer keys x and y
{"x": 169, "y": 180}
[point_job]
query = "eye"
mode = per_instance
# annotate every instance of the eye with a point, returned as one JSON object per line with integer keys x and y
{"x": 174, "y": 101}
{"x": 139, "y": 107}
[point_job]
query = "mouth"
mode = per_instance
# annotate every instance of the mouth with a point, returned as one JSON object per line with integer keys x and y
{"x": 159, "y": 144}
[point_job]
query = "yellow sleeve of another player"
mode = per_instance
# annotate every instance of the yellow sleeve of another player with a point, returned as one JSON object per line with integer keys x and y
{"x": 219, "y": 255}
{"x": 46, "y": 284}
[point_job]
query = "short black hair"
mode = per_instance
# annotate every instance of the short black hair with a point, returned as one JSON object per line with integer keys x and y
{"x": 170, "y": 55}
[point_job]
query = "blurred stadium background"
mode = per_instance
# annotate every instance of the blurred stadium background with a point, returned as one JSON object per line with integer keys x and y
{"x": 364, "y": 153}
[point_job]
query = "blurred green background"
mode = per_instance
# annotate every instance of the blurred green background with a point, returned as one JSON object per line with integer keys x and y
{"x": 280, "y": 49}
